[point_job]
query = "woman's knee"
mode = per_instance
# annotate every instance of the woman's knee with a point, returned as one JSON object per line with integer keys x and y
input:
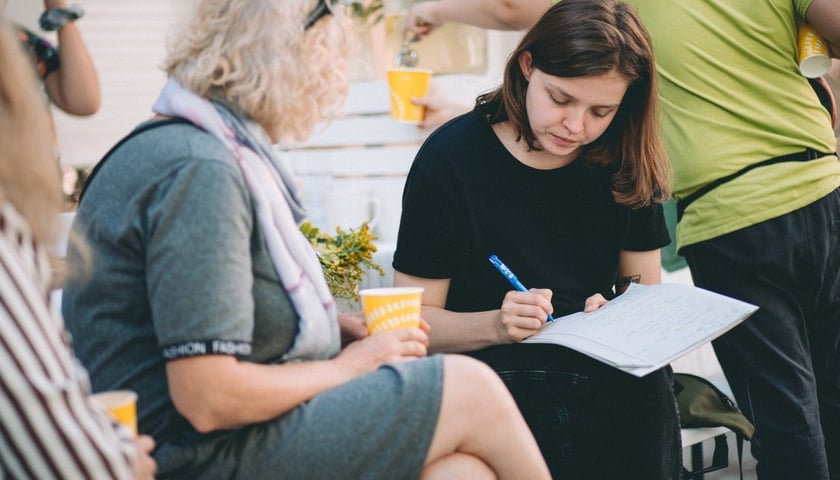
{"x": 474, "y": 381}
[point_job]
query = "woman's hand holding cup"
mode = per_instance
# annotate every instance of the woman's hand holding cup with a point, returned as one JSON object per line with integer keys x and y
{"x": 368, "y": 354}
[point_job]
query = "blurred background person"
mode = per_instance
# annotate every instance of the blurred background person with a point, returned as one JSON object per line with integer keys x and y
{"x": 69, "y": 77}
{"x": 50, "y": 429}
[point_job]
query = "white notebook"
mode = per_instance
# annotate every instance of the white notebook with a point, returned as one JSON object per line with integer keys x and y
{"x": 648, "y": 326}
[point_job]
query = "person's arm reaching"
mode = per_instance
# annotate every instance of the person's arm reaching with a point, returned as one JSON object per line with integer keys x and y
{"x": 496, "y": 14}
{"x": 424, "y": 17}
{"x": 74, "y": 87}
{"x": 439, "y": 108}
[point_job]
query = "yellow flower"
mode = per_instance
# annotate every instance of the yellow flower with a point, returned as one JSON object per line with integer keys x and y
{"x": 345, "y": 257}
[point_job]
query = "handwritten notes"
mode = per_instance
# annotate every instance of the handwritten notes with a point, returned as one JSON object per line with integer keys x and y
{"x": 648, "y": 326}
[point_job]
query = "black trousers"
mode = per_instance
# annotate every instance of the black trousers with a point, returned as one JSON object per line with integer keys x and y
{"x": 592, "y": 421}
{"x": 783, "y": 362}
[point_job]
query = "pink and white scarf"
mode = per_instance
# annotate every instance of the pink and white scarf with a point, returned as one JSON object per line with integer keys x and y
{"x": 278, "y": 212}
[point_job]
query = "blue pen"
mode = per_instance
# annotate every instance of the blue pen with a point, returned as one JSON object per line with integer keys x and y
{"x": 505, "y": 271}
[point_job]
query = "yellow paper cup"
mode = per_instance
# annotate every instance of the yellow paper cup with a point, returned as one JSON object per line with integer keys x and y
{"x": 813, "y": 52}
{"x": 121, "y": 405}
{"x": 405, "y": 84}
{"x": 391, "y": 308}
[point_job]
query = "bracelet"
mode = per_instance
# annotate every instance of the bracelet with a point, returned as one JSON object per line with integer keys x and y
{"x": 55, "y": 18}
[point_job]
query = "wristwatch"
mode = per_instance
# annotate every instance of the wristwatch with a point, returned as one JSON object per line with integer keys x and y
{"x": 55, "y": 18}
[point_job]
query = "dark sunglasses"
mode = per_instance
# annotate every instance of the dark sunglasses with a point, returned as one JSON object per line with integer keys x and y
{"x": 319, "y": 11}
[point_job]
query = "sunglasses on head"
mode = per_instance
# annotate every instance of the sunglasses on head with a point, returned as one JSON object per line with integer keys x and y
{"x": 320, "y": 10}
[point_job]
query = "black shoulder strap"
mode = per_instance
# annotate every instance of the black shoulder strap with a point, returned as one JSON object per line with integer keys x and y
{"x": 803, "y": 156}
{"x": 137, "y": 131}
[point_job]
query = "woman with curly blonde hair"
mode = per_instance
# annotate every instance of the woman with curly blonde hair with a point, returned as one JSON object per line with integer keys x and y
{"x": 253, "y": 57}
{"x": 206, "y": 299}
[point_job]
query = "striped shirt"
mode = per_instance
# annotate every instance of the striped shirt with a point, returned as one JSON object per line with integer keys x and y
{"x": 48, "y": 428}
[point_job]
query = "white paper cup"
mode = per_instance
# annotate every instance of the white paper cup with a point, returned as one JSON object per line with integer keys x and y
{"x": 813, "y": 52}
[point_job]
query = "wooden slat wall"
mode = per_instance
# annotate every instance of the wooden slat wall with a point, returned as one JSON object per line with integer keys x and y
{"x": 366, "y": 155}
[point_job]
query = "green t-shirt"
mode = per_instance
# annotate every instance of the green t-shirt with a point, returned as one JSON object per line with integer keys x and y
{"x": 719, "y": 62}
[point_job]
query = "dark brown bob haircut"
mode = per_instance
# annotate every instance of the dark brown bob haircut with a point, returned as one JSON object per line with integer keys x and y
{"x": 582, "y": 38}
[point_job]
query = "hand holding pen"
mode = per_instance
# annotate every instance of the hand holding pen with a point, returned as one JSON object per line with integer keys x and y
{"x": 511, "y": 277}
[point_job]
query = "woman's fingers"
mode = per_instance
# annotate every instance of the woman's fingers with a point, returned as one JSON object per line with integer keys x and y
{"x": 594, "y": 302}
{"x": 534, "y": 303}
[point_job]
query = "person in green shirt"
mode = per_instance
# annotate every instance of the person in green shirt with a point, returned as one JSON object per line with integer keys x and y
{"x": 756, "y": 177}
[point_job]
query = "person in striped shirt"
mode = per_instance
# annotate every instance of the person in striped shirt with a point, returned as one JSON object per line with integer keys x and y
{"x": 48, "y": 426}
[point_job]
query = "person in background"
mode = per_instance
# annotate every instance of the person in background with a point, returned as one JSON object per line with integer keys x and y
{"x": 49, "y": 428}
{"x": 561, "y": 172}
{"x": 757, "y": 180}
{"x": 68, "y": 79}
{"x": 425, "y": 17}
{"x": 740, "y": 121}
{"x": 67, "y": 71}
{"x": 206, "y": 299}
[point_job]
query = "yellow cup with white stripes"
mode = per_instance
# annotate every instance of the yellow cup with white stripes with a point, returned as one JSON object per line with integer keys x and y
{"x": 813, "y": 52}
{"x": 121, "y": 405}
{"x": 391, "y": 308}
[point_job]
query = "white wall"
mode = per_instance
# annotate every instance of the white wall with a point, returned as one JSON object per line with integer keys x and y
{"x": 24, "y": 12}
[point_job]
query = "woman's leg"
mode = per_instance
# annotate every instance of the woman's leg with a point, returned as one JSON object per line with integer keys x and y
{"x": 479, "y": 418}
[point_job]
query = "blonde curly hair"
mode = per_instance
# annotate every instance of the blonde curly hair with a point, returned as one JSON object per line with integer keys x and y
{"x": 256, "y": 57}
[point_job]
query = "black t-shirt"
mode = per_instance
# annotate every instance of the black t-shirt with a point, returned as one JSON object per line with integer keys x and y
{"x": 467, "y": 197}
